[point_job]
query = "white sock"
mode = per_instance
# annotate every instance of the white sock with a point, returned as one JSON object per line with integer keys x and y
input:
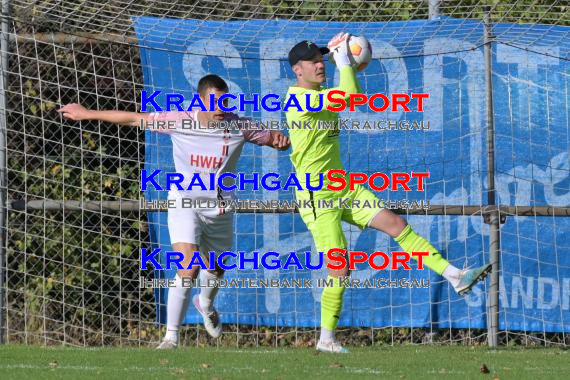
{"x": 176, "y": 307}
{"x": 326, "y": 335}
{"x": 452, "y": 274}
{"x": 207, "y": 294}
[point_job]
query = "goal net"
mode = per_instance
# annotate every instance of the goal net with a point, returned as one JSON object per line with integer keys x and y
{"x": 73, "y": 229}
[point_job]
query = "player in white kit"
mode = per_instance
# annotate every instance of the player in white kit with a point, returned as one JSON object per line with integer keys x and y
{"x": 196, "y": 150}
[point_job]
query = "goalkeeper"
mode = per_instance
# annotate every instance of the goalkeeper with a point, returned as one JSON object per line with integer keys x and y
{"x": 318, "y": 151}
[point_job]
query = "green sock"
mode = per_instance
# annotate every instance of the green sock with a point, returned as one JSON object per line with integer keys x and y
{"x": 331, "y": 304}
{"x": 412, "y": 242}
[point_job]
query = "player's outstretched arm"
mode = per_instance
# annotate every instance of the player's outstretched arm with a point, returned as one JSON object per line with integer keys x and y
{"x": 265, "y": 137}
{"x": 77, "y": 112}
{"x": 339, "y": 48}
{"x": 348, "y": 82}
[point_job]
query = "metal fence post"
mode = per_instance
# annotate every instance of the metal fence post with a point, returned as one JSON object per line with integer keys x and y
{"x": 492, "y": 218}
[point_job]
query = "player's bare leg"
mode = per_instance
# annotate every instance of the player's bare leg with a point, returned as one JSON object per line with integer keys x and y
{"x": 395, "y": 226}
{"x": 178, "y": 297}
{"x": 204, "y": 303}
{"x": 331, "y": 306}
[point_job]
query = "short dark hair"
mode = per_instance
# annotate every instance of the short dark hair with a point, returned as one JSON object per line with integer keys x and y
{"x": 212, "y": 81}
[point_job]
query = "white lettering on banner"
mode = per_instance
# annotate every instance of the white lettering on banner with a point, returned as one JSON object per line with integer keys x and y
{"x": 539, "y": 293}
{"x": 543, "y": 284}
{"x": 518, "y": 292}
{"x": 525, "y": 177}
{"x": 443, "y": 222}
{"x": 530, "y": 103}
{"x": 434, "y": 81}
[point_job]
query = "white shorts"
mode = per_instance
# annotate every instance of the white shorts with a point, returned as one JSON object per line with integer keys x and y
{"x": 209, "y": 228}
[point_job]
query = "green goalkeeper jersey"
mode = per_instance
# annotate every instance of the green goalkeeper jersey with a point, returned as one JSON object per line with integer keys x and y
{"x": 318, "y": 150}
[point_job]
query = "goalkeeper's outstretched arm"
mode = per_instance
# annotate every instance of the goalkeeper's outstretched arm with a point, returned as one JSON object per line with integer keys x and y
{"x": 339, "y": 47}
{"x": 77, "y": 112}
{"x": 348, "y": 81}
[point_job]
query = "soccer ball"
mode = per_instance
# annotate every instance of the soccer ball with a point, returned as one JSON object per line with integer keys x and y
{"x": 360, "y": 53}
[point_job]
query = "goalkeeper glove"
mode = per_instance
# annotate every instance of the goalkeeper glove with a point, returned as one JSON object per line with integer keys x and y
{"x": 339, "y": 52}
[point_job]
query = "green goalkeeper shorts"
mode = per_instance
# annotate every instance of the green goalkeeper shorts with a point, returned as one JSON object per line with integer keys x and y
{"x": 329, "y": 208}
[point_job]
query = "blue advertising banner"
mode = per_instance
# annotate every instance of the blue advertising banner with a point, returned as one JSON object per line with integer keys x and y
{"x": 445, "y": 59}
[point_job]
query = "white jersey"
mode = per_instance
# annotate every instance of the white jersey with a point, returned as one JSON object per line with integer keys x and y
{"x": 205, "y": 151}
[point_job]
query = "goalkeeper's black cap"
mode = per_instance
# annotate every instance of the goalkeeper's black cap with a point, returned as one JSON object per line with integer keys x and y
{"x": 305, "y": 51}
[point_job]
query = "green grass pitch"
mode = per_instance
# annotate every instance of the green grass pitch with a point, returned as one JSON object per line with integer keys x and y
{"x": 398, "y": 362}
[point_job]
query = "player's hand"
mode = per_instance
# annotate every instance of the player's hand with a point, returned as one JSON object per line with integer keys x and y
{"x": 338, "y": 40}
{"x": 338, "y": 46}
{"x": 74, "y": 111}
{"x": 280, "y": 141}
